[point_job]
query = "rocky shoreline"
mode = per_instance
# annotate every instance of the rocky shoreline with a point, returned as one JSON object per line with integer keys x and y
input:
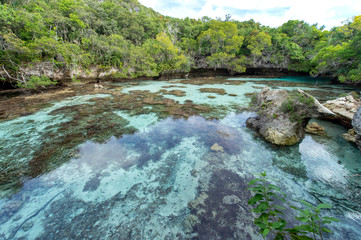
{"x": 282, "y": 117}
{"x": 99, "y": 74}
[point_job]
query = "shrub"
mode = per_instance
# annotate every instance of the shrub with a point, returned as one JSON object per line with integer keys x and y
{"x": 36, "y": 81}
{"x": 270, "y": 220}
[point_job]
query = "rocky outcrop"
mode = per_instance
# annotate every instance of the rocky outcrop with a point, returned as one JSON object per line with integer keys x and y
{"x": 282, "y": 117}
{"x": 344, "y": 109}
{"x": 315, "y": 128}
{"x": 350, "y": 136}
{"x": 356, "y": 123}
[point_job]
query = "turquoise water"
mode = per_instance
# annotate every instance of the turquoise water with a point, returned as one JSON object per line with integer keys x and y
{"x": 155, "y": 176}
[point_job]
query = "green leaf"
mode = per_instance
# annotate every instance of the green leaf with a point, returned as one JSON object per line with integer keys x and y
{"x": 331, "y": 219}
{"x": 260, "y": 225}
{"x": 326, "y": 230}
{"x": 256, "y": 189}
{"x": 277, "y": 225}
{"x": 271, "y": 186}
{"x": 306, "y": 203}
{"x": 279, "y": 207}
{"x": 307, "y": 228}
{"x": 302, "y": 219}
{"x": 279, "y": 212}
{"x": 255, "y": 199}
{"x": 261, "y": 207}
{"x": 265, "y": 232}
{"x": 323, "y": 205}
{"x": 296, "y": 208}
{"x": 254, "y": 181}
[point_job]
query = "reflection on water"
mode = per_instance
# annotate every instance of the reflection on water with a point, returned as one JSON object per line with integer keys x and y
{"x": 164, "y": 181}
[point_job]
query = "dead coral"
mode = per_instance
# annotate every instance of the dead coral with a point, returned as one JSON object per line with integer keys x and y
{"x": 219, "y": 91}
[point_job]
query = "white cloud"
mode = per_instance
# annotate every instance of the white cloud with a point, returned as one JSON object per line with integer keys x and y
{"x": 272, "y": 13}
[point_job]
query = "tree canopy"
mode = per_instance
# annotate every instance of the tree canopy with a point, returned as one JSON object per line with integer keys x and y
{"x": 138, "y": 41}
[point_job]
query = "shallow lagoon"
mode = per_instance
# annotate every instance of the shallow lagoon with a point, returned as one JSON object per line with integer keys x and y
{"x": 134, "y": 161}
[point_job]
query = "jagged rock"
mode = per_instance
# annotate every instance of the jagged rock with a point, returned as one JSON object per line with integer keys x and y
{"x": 216, "y": 147}
{"x": 350, "y": 135}
{"x": 344, "y": 108}
{"x": 315, "y": 128}
{"x": 282, "y": 117}
{"x": 98, "y": 86}
{"x": 356, "y": 123}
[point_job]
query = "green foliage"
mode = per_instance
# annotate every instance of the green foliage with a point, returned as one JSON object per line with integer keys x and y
{"x": 340, "y": 55}
{"x": 269, "y": 203}
{"x": 167, "y": 56}
{"x": 36, "y": 81}
{"x": 220, "y": 37}
{"x": 290, "y": 104}
{"x": 257, "y": 42}
{"x": 137, "y": 41}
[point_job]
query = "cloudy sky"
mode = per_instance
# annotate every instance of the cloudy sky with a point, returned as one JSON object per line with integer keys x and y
{"x": 268, "y": 12}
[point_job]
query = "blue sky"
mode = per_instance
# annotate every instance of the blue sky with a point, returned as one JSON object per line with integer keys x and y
{"x": 268, "y": 12}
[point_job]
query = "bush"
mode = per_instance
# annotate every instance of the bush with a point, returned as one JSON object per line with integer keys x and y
{"x": 270, "y": 218}
{"x": 36, "y": 81}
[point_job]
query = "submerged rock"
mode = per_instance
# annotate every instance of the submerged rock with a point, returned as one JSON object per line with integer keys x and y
{"x": 219, "y": 91}
{"x": 344, "y": 109}
{"x": 217, "y": 148}
{"x": 281, "y": 117}
{"x": 315, "y": 128}
{"x": 231, "y": 199}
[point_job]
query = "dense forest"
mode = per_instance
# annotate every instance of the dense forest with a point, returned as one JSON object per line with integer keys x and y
{"x": 137, "y": 41}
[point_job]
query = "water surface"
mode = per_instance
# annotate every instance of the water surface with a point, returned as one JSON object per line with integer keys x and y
{"x": 134, "y": 161}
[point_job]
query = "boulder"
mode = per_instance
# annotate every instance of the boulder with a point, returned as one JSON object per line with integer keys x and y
{"x": 98, "y": 86}
{"x": 282, "y": 117}
{"x": 350, "y": 136}
{"x": 356, "y": 123}
{"x": 344, "y": 109}
{"x": 315, "y": 128}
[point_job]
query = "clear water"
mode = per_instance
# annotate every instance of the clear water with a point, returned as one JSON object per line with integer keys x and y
{"x": 154, "y": 176}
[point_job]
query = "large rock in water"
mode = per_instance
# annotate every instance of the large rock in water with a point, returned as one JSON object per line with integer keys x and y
{"x": 344, "y": 108}
{"x": 282, "y": 117}
{"x": 356, "y": 123}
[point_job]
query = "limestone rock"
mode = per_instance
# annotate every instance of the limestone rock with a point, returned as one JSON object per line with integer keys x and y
{"x": 318, "y": 107}
{"x": 315, "y": 128}
{"x": 350, "y": 135}
{"x": 356, "y": 123}
{"x": 282, "y": 117}
{"x": 98, "y": 86}
{"x": 216, "y": 147}
{"x": 344, "y": 108}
